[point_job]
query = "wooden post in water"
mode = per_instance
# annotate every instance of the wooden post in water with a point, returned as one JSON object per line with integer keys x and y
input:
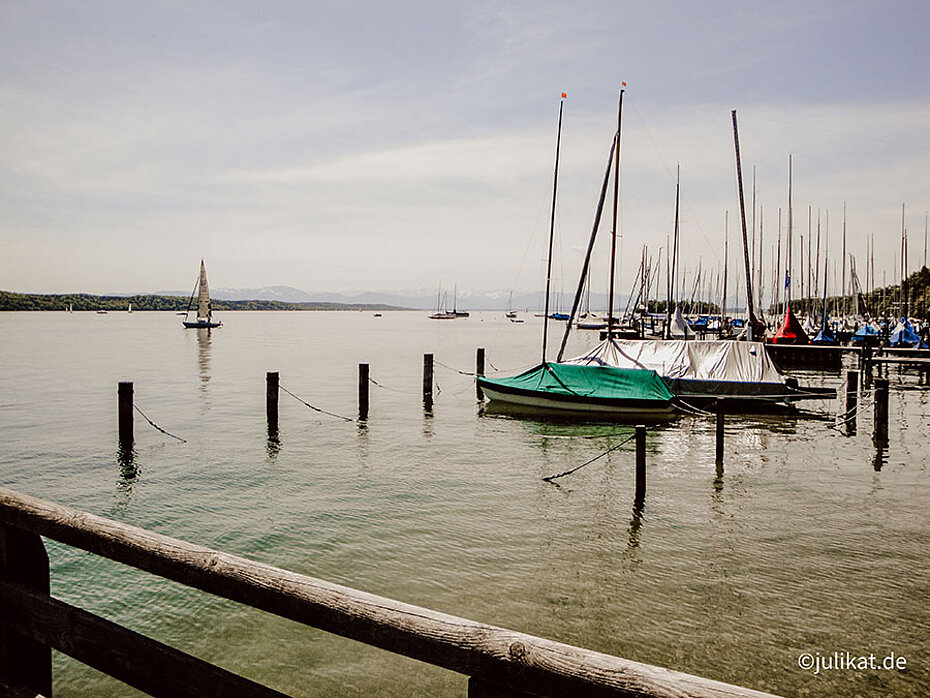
{"x": 271, "y": 400}
{"x": 852, "y": 399}
{"x": 718, "y": 409}
{"x": 363, "y": 392}
{"x": 126, "y": 437}
{"x": 640, "y": 495}
{"x": 25, "y": 663}
{"x": 479, "y": 371}
{"x": 428, "y": 382}
{"x": 880, "y": 422}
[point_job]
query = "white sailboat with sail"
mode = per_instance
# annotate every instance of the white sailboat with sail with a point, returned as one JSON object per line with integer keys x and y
{"x": 204, "y": 309}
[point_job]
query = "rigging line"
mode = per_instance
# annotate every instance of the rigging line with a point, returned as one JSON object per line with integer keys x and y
{"x": 156, "y": 426}
{"x": 692, "y": 409}
{"x": 317, "y": 409}
{"x": 394, "y": 390}
{"x": 464, "y": 373}
{"x": 574, "y": 470}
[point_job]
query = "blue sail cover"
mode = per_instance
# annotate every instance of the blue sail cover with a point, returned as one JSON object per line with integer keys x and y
{"x": 825, "y": 336}
{"x": 867, "y": 331}
{"x": 905, "y": 336}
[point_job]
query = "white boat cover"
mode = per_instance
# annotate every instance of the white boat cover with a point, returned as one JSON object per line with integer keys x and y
{"x": 678, "y": 328}
{"x": 710, "y": 360}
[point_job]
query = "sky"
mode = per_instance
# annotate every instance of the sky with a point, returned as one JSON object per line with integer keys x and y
{"x": 365, "y": 145}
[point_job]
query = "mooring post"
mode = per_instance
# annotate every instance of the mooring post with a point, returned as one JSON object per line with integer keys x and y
{"x": 24, "y": 663}
{"x": 428, "y": 382}
{"x": 363, "y": 392}
{"x": 640, "y": 494}
{"x": 880, "y": 426}
{"x": 126, "y": 437}
{"x": 718, "y": 409}
{"x": 852, "y": 399}
{"x": 271, "y": 400}
{"x": 479, "y": 371}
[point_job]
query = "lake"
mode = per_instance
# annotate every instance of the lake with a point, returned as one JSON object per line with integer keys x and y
{"x": 810, "y": 541}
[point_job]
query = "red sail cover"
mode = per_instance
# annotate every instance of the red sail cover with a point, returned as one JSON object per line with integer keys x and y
{"x": 790, "y": 331}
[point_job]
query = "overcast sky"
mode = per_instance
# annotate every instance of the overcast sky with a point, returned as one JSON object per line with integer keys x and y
{"x": 395, "y": 145}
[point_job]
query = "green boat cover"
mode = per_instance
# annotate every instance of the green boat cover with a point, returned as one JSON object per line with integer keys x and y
{"x": 599, "y": 382}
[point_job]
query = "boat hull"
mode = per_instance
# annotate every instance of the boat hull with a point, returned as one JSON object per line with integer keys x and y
{"x": 201, "y": 325}
{"x": 573, "y": 404}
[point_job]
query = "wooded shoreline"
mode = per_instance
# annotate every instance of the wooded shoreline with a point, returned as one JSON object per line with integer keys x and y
{"x": 141, "y": 302}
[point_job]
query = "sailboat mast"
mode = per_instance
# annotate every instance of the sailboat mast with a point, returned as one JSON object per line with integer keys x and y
{"x": 726, "y": 263}
{"x": 789, "y": 246}
{"x": 613, "y": 232}
{"x": 673, "y": 269}
{"x": 587, "y": 257}
{"x": 555, "y": 187}
{"x": 742, "y": 207}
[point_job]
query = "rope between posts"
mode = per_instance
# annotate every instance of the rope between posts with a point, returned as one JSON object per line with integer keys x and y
{"x": 156, "y": 426}
{"x": 316, "y": 409}
{"x": 462, "y": 373}
{"x": 393, "y": 390}
{"x": 574, "y": 470}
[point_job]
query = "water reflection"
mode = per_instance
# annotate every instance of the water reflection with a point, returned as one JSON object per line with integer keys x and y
{"x": 128, "y": 474}
{"x": 273, "y": 444}
{"x": 203, "y": 356}
{"x": 880, "y": 457}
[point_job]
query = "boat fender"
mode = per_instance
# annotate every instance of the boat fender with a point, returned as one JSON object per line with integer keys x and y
{"x": 791, "y": 382}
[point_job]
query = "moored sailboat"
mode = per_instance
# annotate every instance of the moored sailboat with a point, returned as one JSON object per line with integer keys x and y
{"x": 586, "y": 389}
{"x": 204, "y": 318}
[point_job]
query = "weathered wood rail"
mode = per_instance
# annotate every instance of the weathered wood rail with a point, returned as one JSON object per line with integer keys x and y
{"x": 497, "y": 662}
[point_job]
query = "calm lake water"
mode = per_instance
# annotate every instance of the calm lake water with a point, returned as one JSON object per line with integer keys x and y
{"x": 810, "y": 542}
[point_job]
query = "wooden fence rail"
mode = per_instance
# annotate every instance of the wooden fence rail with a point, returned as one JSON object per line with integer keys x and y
{"x": 497, "y": 661}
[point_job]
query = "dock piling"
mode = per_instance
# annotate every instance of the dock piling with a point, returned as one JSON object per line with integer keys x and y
{"x": 363, "y": 383}
{"x": 640, "y": 494}
{"x": 126, "y": 437}
{"x": 852, "y": 399}
{"x": 880, "y": 425}
{"x": 428, "y": 382}
{"x": 271, "y": 400}
{"x": 479, "y": 371}
{"x": 718, "y": 410}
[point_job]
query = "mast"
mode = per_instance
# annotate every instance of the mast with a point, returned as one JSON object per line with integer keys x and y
{"x": 742, "y": 207}
{"x": 673, "y": 272}
{"x": 789, "y": 250}
{"x": 613, "y": 232}
{"x": 203, "y": 297}
{"x": 726, "y": 264}
{"x": 555, "y": 187}
{"x": 587, "y": 257}
{"x": 843, "y": 291}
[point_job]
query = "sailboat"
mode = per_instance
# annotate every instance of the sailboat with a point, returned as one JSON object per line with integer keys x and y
{"x": 204, "y": 310}
{"x": 586, "y": 389}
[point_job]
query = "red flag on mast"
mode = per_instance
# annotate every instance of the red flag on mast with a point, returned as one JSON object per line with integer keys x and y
{"x": 564, "y": 95}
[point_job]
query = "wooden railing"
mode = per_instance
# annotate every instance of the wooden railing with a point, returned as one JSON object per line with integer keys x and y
{"x": 498, "y": 662}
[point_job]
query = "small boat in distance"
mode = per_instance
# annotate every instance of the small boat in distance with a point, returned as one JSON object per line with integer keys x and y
{"x": 204, "y": 309}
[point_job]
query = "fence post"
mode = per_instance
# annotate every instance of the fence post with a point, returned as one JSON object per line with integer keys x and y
{"x": 24, "y": 663}
{"x": 718, "y": 409}
{"x": 363, "y": 392}
{"x": 852, "y": 399}
{"x": 880, "y": 425}
{"x": 126, "y": 437}
{"x": 271, "y": 400}
{"x": 479, "y": 371}
{"x": 428, "y": 382}
{"x": 640, "y": 493}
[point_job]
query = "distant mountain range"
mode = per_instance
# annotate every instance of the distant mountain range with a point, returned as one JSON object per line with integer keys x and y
{"x": 419, "y": 299}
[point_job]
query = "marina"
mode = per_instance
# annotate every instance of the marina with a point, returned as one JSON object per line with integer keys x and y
{"x": 803, "y": 537}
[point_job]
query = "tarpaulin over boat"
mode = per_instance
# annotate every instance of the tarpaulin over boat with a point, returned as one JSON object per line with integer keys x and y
{"x": 699, "y": 360}
{"x": 825, "y": 336}
{"x": 602, "y": 382}
{"x": 868, "y": 330}
{"x": 905, "y": 336}
{"x": 790, "y": 331}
